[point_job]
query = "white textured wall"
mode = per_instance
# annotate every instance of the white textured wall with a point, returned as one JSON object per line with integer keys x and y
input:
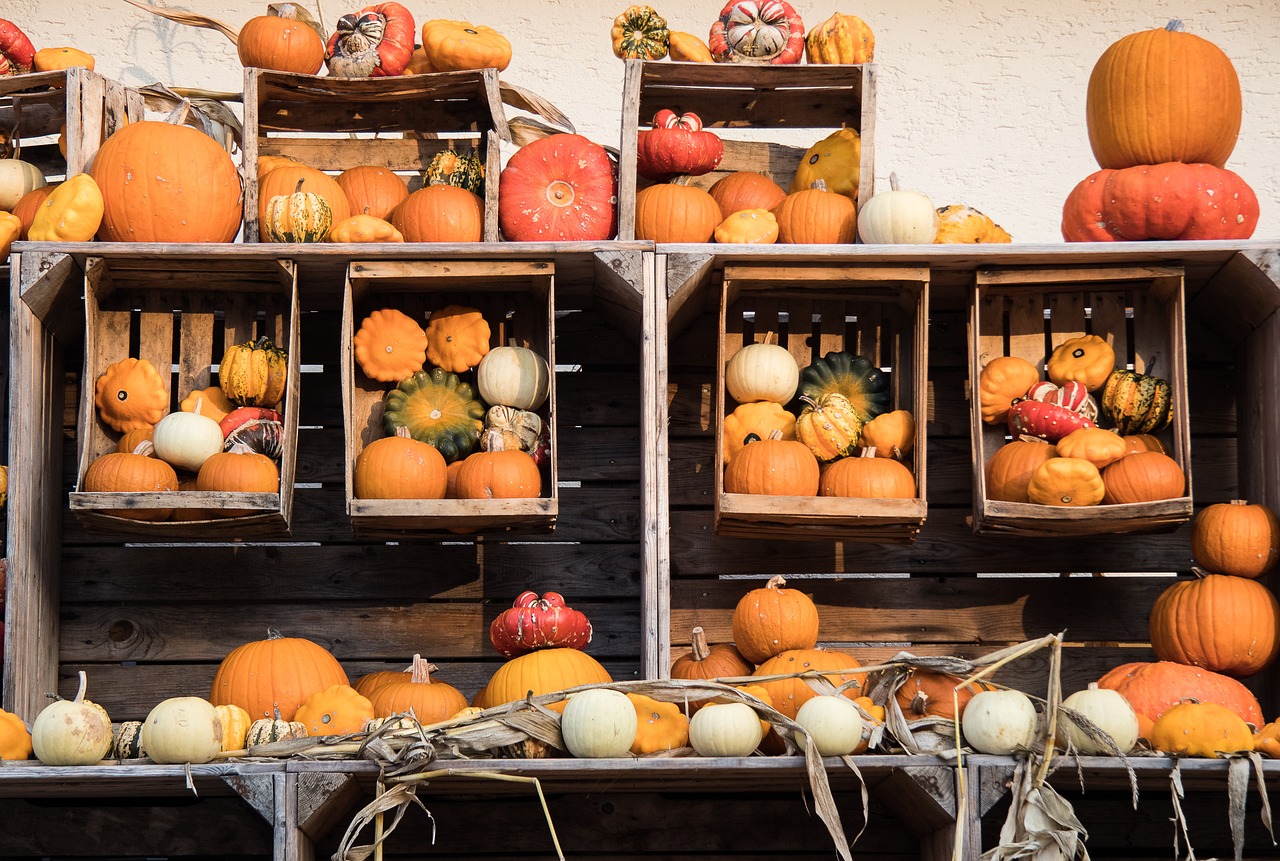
{"x": 980, "y": 101}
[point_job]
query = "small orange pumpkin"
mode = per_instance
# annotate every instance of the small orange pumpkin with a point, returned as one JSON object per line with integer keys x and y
{"x": 1010, "y": 469}
{"x": 400, "y": 467}
{"x": 773, "y": 466}
{"x": 390, "y": 345}
{"x": 430, "y": 700}
{"x": 772, "y": 619}
{"x": 132, "y": 439}
{"x": 746, "y": 189}
{"x": 372, "y": 190}
{"x": 868, "y": 477}
{"x": 439, "y": 213}
{"x": 211, "y": 402}
{"x": 1100, "y": 447}
{"x": 789, "y": 694}
{"x": 1225, "y": 624}
{"x": 890, "y": 434}
{"x": 1144, "y": 477}
{"x": 1236, "y": 538}
{"x": 669, "y": 212}
{"x": 816, "y": 216}
{"x": 336, "y": 710}
{"x": 1143, "y": 442}
{"x": 929, "y": 694}
{"x": 758, "y": 418}
{"x": 130, "y": 394}
{"x": 704, "y": 661}
{"x": 499, "y": 474}
{"x": 748, "y": 227}
{"x": 131, "y": 472}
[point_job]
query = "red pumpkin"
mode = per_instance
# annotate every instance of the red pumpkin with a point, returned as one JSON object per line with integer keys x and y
{"x": 561, "y": 188}
{"x": 677, "y": 144}
{"x": 356, "y": 51}
{"x": 16, "y": 51}
{"x": 1163, "y": 201}
{"x": 534, "y": 623}
{"x": 758, "y": 32}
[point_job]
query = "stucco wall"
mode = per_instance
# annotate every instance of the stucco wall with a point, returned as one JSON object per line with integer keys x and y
{"x": 980, "y": 101}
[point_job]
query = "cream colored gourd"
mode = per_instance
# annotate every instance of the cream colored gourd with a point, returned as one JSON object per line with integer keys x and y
{"x": 72, "y": 732}
{"x": 513, "y": 377}
{"x": 186, "y": 440}
{"x": 834, "y": 724}
{"x": 599, "y": 724}
{"x": 898, "y": 217}
{"x": 762, "y": 372}
{"x": 999, "y": 722}
{"x": 725, "y": 729}
{"x": 1112, "y": 714}
{"x": 182, "y": 729}
{"x": 17, "y": 178}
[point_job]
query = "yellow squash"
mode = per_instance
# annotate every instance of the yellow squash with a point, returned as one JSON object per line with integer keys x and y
{"x": 73, "y": 213}
{"x": 455, "y": 46}
{"x": 836, "y": 160}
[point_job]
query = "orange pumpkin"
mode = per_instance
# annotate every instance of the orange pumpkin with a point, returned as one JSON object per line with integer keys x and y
{"x": 1153, "y": 688}
{"x": 25, "y": 209}
{"x": 400, "y": 467}
{"x": 372, "y": 190}
{"x": 499, "y": 474}
{"x": 929, "y": 694}
{"x": 816, "y": 216}
{"x": 676, "y": 213}
{"x": 746, "y": 189}
{"x": 278, "y": 40}
{"x": 1144, "y": 477}
{"x": 134, "y": 438}
{"x": 1143, "y": 442}
{"x": 431, "y": 701}
{"x": 131, "y": 472}
{"x": 1003, "y": 379}
{"x": 773, "y": 619}
{"x": 773, "y": 466}
{"x": 283, "y": 181}
{"x": 130, "y": 394}
{"x": 545, "y": 671}
{"x": 1225, "y": 624}
{"x": 789, "y": 694}
{"x": 390, "y": 345}
{"x": 277, "y": 673}
{"x": 440, "y": 213}
{"x": 1065, "y": 481}
{"x": 867, "y": 477}
{"x": 336, "y": 710}
{"x": 1236, "y": 538}
{"x": 704, "y": 661}
{"x": 1010, "y": 469}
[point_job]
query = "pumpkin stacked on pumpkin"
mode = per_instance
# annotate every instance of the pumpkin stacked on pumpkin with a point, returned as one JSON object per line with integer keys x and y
{"x": 1059, "y": 455}
{"x": 1164, "y": 112}
{"x": 224, "y": 438}
{"x": 442, "y": 441}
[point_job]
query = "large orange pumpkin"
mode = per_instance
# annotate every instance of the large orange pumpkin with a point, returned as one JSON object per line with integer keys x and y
{"x": 1236, "y": 538}
{"x": 1154, "y": 688}
{"x": 275, "y": 673}
{"x": 545, "y": 671}
{"x": 789, "y": 694}
{"x": 676, "y": 213}
{"x": 773, "y": 619}
{"x": 283, "y": 181}
{"x": 1163, "y": 95}
{"x": 745, "y": 189}
{"x": 372, "y": 190}
{"x": 1230, "y": 625}
{"x": 440, "y": 213}
{"x": 816, "y": 216}
{"x": 167, "y": 183}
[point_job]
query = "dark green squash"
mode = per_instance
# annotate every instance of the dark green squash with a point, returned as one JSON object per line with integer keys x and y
{"x": 439, "y": 409}
{"x": 1136, "y": 403}
{"x": 463, "y": 170}
{"x": 865, "y": 385}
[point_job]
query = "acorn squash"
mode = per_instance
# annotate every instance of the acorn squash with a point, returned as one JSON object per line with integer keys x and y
{"x": 439, "y": 409}
{"x": 865, "y": 385}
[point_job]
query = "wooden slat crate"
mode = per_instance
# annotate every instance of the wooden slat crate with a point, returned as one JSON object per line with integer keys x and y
{"x": 182, "y": 317}
{"x": 398, "y": 123}
{"x": 92, "y": 108}
{"x": 729, "y": 98}
{"x": 518, "y": 300}
{"x": 1027, "y": 313}
{"x": 879, "y": 313}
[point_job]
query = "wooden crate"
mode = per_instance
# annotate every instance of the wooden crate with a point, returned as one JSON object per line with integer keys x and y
{"x": 161, "y": 310}
{"x": 1027, "y": 313}
{"x": 880, "y": 313}
{"x": 398, "y": 123}
{"x": 518, "y": 300}
{"x": 736, "y": 101}
{"x": 92, "y": 108}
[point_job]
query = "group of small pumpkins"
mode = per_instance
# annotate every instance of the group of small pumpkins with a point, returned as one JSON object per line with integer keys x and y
{"x": 224, "y": 438}
{"x": 1059, "y": 455}
{"x": 442, "y": 442}
{"x": 769, "y": 450}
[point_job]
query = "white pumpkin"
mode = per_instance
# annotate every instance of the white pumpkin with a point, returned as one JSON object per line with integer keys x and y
{"x": 598, "y": 724}
{"x": 834, "y": 724}
{"x": 1112, "y": 714}
{"x": 725, "y": 729}
{"x": 16, "y": 179}
{"x": 186, "y": 440}
{"x": 898, "y": 217}
{"x": 762, "y": 372}
{"x": 182, "y": 729}
{"x": 513, "y": 377}
{"x": 72, "y": 732}
{"x": 1000, "y": 722}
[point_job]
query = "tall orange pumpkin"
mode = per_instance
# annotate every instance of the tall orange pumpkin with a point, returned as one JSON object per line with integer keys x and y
{"x": 676, "y": 213}
{"x": 372, "y": 190}
{"x": 440, "y": 213}
{"x": 162, "y": 182}
{"x": 275, "y": 673}
{"x": 283, "y": 181}
{"x": 1154, "y": 688}
{"x": 773, "y": 619}
{"x": 1163, "y": 95}
{"x": 1229, "y": 625}
{"x": 1236, "y": 538}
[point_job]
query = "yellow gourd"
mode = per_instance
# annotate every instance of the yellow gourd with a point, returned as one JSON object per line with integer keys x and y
{"x": 835, "y": 160}
{"x": 73, "y": 213}
{"x": 688, "y": 48}
{"x": 211, "y": 402}
{"x": 1003, "y": 379}
{"x": 748, "y": 227}
{"x": 841, "y": 39}
{"x": 757, "y": 418}
{"x": 1068, "y": 481}
{"x": 10, "y": 230}
{"x": 130, "y": 394}
{"x": 890, "y": 434}
{"x": 1088, "y": 360}
{"x": 390, "y": 346}
{"x": 660, "y": 726}
{"x": 457, "y": 338}
{"x": 1100, "y": 447}
{"x": 364, "y": 228}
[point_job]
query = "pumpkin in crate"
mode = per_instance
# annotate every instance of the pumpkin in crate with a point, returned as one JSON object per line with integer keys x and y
{"x": 772, "y": 466}
{"x": 748, "y": 227}
{"x": 1009, "y": 470}
{"x": 186, "y": 440}
{"x": 280, "y": 40}
{"x": 463, "y": 170}
{"x": 755, "y": 419}
{"x": 72, "y": 213}
{"x": 272, "y": 677}
{"x": 1229, "y": 625}
{"x": 284, "y": 181}
{"x": 268, "y": 163}
{"x": 1201, "y": 729}
{"x": 705, "y": 662}
{"x": 254, "y": 374}
{"x": 890, "y": 434}
{"x": 758, "y": 32}
{"x": 1003, "y": 380}
{"x": 762, "y": 372}
{"x": 130, "y": 394}
{"x": 498, "y": 473}
{"x": 745, "y": 189}
{"x": 598, "y": 723}
{"x": 865, "y": 385}
{"x": 456, "y": 46}
{"x": 399, "y": 467}
{"x": 457, "y": 338}
{"x": 335, "y": 710}
{"x": 1136, "y": 403}
{"x": 1088, "y": 359}
{"x": 925, "y": 693}
{"x": 816, "y": 216}
{"x": 1065, "y": 481}
{"x": 440, "y": 213}
{"x": 544, "y": 671}
{"x": 211, "y": 401}
{"x": 514, "y": 377}
{"x": 1002, "y": 723}
{"x": 867, "y": 477}
{"x": 515, "y": 429}
{"x": 57, "y": 59}
{"x": 676, "y": 145}
{"x": 773, "y": 619}
{"x": 1163, "y": 95}
{"x": 675, "y": 213}
{"x": 367, "y": 684}
{"x": 1148, "y": 476}
{"x": 1100, "y": 447}
{"x": 238, "y": 470}
{"x": 725, "y": 729}
{"x": 17, "y": 54}
{"x": 1154, "y": 688}
{"x": 1143, "y": 442}
{"x": 898, "y": 217}
{"x": 372, "y": 190}
{"x": 1110, "y": 712}
{"x": 439, "y": 409}
{"x": 688, "y": 48}
{"x": 126, "y": 740}
{"x": 1236, "y": 538}
{"x": 430, "y": 700}
{"x": 377, "y": 41}
{"x": 960, "y": 224}
{"x": 533, "y": 623}
{"x": 1045, "y": 419}
{"x": 364, "y": 228}
{"x": 131, "y": 472}
{"x": 788, "y": 695}
{"x": 843, "y": 39}
{"x": 26, "y": 208}
{"x": 828, "y": 427}
{"x": 15, "y": 740}
{"x": 836, "y": 160}
{"x": 561, "y": 188}
{"x": 390, "y": 345}
{"x": 640, "y": 33}
{"x": 134, "y": 438}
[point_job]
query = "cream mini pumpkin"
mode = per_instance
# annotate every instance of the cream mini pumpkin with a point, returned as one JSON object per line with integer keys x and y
{"x": 898, "y": 217}
{"x": 599, "y": 723}
{"x": 762, "y": 372}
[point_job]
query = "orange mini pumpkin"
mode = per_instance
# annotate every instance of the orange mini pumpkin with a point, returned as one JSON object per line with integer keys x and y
{"x": 1010, "y": 469}
{"x": 390, "y": 346}
{"x": 746, "y": 189}
{"x": 774, "y": 467}
{"x": 668, "y": 212}
{"x": 273, "y": 676}
{"x": 929, "y": 694}
{"x": 748, "y": 227}
{"x": 336, "y": 710}
{"x": 440, "y": 213}
{"x": 1147, "y": 476}
{"x": 816, "y": 216}
{"x": 430, "y": 700}
{"x": 758, "y": 418}
{"x": 131, "y": 472}
{"x": 131, "y": 394}
{"x": 1225, "y": 624}
{"x": 704, "y": 661}
{"x": 868, "y": 477}
{"x": 457, "y": 337}
{"x": 373, "y": 190}
{"x": 499, "y": 474}
{"x": 1236, "y": 538}
{"x": 789, "y": 694}
{"x": 1068, "y": 481}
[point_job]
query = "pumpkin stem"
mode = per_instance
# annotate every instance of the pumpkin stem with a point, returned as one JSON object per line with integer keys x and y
{"x": 893, "y": 182}
{"x": 1175, "y": 26}
{"x": 421, "y": 671}
{"x": 775, "y": 434}
{"x": 1093, "y": 686}
{"x": 285, "y": 10}
{"x": 274, "y": 634}
{"x": 145, "y": 448}
{"x": 770, "y": 338}
{"x": 298, "y": 190}
{"x": 701, "y": 651}
{"x": 239, "y": 448}
{"x": 776, "y": 582}
{"x": 869, "y": 451}
{"x": 403, "y": 432}
{"x": 819, "y": 184}
{"x": 1239, "y": 502}
{"x": 920, "y": 704}
{"x": 84, "y": 684}
{"x": 1199, "y": 572}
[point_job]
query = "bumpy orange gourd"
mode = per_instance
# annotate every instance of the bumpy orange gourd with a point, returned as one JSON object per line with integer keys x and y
{"x": 789, "y": 694}
{"x": 688, "y": 48}
{"x": 1068, "y": 481}
{"x": 457, "y": 337}
{"x": 1236, "y": 538}
{"x": 336, "y": 710}
{"x": 829, "y": 426}
{"x": 1088, "y": 359}
{"x": 1225, "y": 624}
{"x": 816, "y": 216}
{"x": 390, "y": 345}
{"x": 1201, "y": 729}
{"x": 748, "y": 227}
{"x": 1100, "y": 447}
{"x": 660, "y": 726}
{"x": 455, "y": 46}
{"x": 891, "y": 434}
{"x": 868, "y": 477}
{"x": 364, "y": 228}
{"x": 773, "y": 619}
{"x": 1003, "y": 379}
{"x": 844, "y": 39}
{"x": 373, "y": 190}
{"x": 275, "y": 674}
{"x": 960, "y": 224}
{"x": 759, "y": 418}
{"x": 773, "y": 466}
{"x": 745, "y": 189}
{"x": 676, "y": 213}
{"x": 1144, "y": 477}
{"x": 1010, "y": 469}
{"x": 15, "y": 740}
{"x": 130, "y": 394}
{"x": 430, "y": 700}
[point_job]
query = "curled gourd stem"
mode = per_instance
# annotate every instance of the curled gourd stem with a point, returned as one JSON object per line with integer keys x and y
{"x": 145, "y": 448}
{"x": 701, "y": 651}
{"x": 84, "y": 686}
{"x": 893, "y": 182}
{"x": 1175, "y": 25}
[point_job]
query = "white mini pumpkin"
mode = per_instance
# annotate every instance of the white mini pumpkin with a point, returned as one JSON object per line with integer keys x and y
{"x": 186, "y": 440}
{"x": 1110, "y": 711}
{"x": 999, "y": 722}
{"x": 598, "y": 724}
{"x": 762, "y": 372}
{"x": 16, "y": 179}
{"x": 833, "y": 722}
{"x": 513, "y": 377}
{"x": 182, "y": 729}
{"x": 72, "y": 732}
{"x": 898, "y": 217}
{"x": 725, "y": 729}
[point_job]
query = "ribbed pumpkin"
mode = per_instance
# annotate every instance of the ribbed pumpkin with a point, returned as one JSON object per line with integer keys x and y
{"x": 1229, "y": 625}
{"x": 773, "y": 619}
{"x": 1009, "y": 470}
{"x": 372, "y": 190}
{"x": 1163, "y": 95}
{"x": 789, "y": 695}
{"x": 704, "y": 661}
{"x": 868, "y": 477}
{"x": 302, "y": 216}
{"x": 836, "y": 160}
{"x": 773, "y": 466}
{"x": 130, "y": 394}
{"x": 844, "y": 39}
{"x": 440, "y": 213}
{"x": 463, "y": 170}
{"x": 759, "y": 418}
{"x": 514, "y": 377}
{"x": 960, "y": 224}
{"x": 439, "y": 409}
{"x": 929, "y": 694}
{"x": 865, "y": 385}
{"x": 559, "y": 188}
{"x": 745, "y": 189}
{"x": 273, "y": 729}
{"x": 1136, "y": 403}
{"x": 542, "y": 672}
{"x": 496, "y": 473}
{"x": 25, "y": 209}
{"x": 278, "y": 40}
{"x": 254, "y": 374}
{"x": 758, "y": 33}
{"x": 668, "y": 212}
{"x": 457, "y": 338}
{"x": 430, "y": 700}
{"x": 273, "y": 676}
{"x": 235, "y": 725}
{"x": 1236, "y": 538}
{"x": 399, "y": 467}
{"x": 282, "y": 181}
{"x": 816, "y": 216}
{"x": 1154, "y": 688}
{"x": 1144, "y": 477}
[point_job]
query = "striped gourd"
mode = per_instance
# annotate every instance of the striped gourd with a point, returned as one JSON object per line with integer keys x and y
{"x": 464, "y": 170}
{"x": 1136, "y": 403}
{"x": 267, "y": 730}
{"x": 126, "y": 741}
{"x": 298, "y": 217}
